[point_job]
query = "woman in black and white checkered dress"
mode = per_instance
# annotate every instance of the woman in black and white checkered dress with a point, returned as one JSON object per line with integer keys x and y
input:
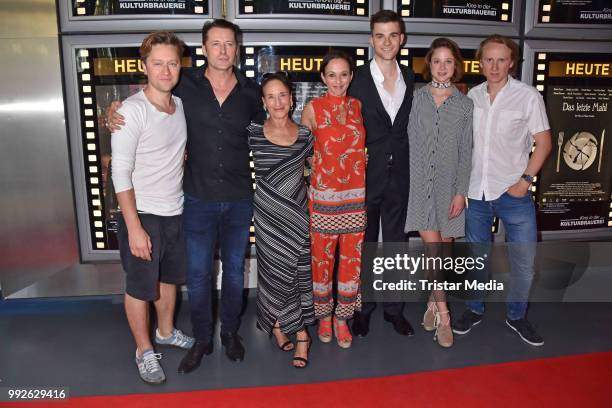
{"x": 440, "y": 137}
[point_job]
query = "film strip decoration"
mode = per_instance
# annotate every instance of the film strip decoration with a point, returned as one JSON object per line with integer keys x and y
{"x": 491, "y": 10}
{"x": 351, "y": 8}
{"x": 575, "y": 185}
{"x": 540, "y": 84}
{"x": 91, "y": 151}
{"x": 104, "y": 75}
{"x": 415, "y": 59}
{"x": 544, "y": 12}
{"x": 85, "y": 8}
{"x": 302, "y": 63}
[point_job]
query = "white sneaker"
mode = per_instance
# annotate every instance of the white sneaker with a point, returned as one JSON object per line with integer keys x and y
{"x": 176, "y": 339}
{"x": 149, "y": 368}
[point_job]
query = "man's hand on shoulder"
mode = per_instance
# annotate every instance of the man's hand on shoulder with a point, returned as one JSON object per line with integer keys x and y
{"x": 114, "y": 121}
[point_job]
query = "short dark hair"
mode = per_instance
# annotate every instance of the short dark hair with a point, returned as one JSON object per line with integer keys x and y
{"x": 281, "y": 76}
{"x": 387, "y": 16}
{"x": 454, "y": 49}
{"x": 500, "y": 39}
{"x": 157, "y": 38}
{"x": 221, "y": 23}
{"x": 334, "y": 54}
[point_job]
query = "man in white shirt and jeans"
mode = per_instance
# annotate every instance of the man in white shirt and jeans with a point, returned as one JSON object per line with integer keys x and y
{"x": 508, "y": 117}
{"x": 147, "y": 169}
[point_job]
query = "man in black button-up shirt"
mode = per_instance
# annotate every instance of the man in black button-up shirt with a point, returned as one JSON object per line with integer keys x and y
{"x": 219, "y": 102}
{"x": 218, "y": 153}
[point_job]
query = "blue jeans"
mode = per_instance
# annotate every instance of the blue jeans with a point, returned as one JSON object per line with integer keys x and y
{"x": 204, "y": 222}
{"x": 519, "y": 219}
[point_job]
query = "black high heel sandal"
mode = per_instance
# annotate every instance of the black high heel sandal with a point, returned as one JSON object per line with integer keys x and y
{"x": 282, "y": 347}
{"x": 302, "y": 359}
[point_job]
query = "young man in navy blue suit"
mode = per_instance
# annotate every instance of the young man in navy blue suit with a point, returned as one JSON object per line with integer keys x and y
{"x": 385, "y": 89}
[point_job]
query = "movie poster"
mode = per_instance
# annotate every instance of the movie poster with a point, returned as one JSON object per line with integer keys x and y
{"x": 139, "y": 7}
{"x": 352, "y": 8}
{"x": 488, "y": 10}
{"x": 575, "y": 11}
{"x": 575, "y": 183}
{"x": 105, "y": 75}
{"x": 301, "y": 63}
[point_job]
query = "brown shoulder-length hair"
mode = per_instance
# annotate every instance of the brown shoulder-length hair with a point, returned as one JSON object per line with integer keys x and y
{"x": 454, "y": 49}
{"x": 500, "y": 39}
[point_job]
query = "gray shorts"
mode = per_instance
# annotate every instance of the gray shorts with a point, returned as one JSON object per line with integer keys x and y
{"x": 168, "y": 258}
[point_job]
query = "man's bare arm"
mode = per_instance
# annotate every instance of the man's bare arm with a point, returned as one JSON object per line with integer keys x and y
{"x": 543, "y": 146}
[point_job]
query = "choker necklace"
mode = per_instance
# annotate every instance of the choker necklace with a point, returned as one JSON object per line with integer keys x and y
{"x": 440, "y": 85}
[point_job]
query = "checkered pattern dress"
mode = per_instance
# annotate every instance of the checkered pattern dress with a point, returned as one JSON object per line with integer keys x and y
{"x": 440, "y": 161}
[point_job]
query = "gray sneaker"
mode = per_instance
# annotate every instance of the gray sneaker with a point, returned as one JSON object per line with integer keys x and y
{"x": 149, "y": 368}
{"x": 176, "y": 339}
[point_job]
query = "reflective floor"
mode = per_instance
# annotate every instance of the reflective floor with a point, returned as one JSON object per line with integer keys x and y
{"x": 85, "y": 344}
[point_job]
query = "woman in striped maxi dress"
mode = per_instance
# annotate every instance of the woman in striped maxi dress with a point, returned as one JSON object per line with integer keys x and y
{"x": 440, "y": 137}
{"x": 280, "y": 148}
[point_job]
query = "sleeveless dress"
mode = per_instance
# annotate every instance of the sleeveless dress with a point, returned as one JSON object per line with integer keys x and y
{"x": 282, "y": 238}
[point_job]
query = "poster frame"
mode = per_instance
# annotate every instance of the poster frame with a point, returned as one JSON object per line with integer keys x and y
{"x": 301, "y": 22}
{"x": 460, "y": 27}
{"x": 75, "y": 133}
{"x": 69, "y": 23}
{"x": 535, "y": 29}
{"x": 531, "y": 48}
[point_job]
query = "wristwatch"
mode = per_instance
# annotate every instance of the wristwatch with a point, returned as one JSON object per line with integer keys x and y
{"x": 527, "y": 178}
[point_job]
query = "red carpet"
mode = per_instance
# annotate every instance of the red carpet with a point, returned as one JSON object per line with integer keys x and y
{"x": 573, "y": 381}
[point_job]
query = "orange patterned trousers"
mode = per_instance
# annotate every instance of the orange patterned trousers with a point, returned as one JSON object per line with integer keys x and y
{"x": 323, "y": 247}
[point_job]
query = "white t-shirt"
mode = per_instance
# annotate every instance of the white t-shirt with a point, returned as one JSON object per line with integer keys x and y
{"x": 392, "y": 103}
{"x": 148, "y": 155}
{"x": 503, "y": 136}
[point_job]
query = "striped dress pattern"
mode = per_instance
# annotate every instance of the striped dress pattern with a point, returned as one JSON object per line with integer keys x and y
{"x": 282, "y": 238}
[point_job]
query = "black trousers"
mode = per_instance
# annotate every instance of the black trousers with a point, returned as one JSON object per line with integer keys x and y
{"x": 386, "y": 209}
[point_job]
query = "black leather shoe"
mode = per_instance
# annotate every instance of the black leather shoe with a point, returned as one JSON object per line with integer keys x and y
{"x": 361, "y": 324}
{"x": 233, "y": 347}
{"x": 400, "y": 324}
{"x": 193, "y": 358}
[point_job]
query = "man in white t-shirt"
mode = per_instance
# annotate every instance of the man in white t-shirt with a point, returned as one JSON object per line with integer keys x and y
{"x": 508, "y": 117}
{"x": 147, "y": 170}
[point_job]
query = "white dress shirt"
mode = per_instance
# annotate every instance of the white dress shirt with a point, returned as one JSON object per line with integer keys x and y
{"x": 503, "y": 136}
{"x": 148, "y": 153}
{"x": 391, "y": 102}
